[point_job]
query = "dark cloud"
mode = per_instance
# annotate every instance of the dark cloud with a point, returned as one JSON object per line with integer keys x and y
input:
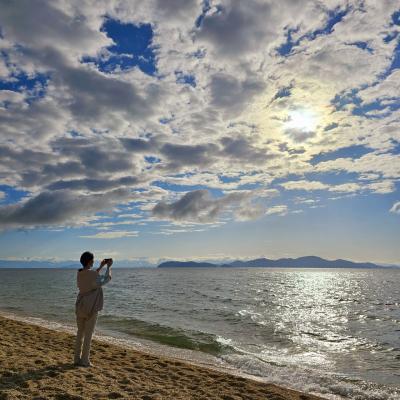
{"x": 54, "y": 175}
{"x": 300, "y": 135}
{"x": 177, "y": 9}
{"x": 242, "y": 150}
{"x": 180, "y": 155}
{"x": 199, "y": 206}
{"x": 79, "y": 159}
{"x": 94, "y": 95}
{"x": 140, "y": 145}
{"x": 94, "y": 185}
{"x": 100, "y": 160}
{"x": 59, "y": 207}
{"x": 90, "y": 94}
{"x": 283, "y": 147}
{"x": 42, "y": 119}
{"x": 67, "y": 168}
{"x": 22, "y": 157}
{"x": 237, "y": 27}
{"x": 84, "y": 94}
{"x": 97, "y": 156}
{"x": 43, "y": 24}
{"x": 51, "y": 172}
{"x": 231, "y": 94}
{"x": 331, "y": 126}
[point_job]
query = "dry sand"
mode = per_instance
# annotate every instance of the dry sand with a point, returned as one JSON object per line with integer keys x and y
{"x": 36, "y": 363}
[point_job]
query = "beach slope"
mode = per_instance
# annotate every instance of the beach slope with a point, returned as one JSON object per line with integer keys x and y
{"x": 36, "y": 363}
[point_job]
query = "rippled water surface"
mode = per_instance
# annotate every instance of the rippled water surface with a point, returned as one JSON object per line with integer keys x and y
{"x": 335, "y": 332}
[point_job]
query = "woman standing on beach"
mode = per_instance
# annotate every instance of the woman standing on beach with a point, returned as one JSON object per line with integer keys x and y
{"x": 88, "y": 303}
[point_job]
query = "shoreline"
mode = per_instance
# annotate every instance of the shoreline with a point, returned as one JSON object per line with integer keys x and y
{"x": 146, "y": 346}
{"x": 36, "y": 363}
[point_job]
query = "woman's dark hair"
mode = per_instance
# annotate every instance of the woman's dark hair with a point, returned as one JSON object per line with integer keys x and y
{"x": 86, "y": 257}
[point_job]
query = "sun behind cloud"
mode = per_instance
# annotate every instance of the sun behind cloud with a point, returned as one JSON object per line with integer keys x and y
{"x": 302, "y": 119}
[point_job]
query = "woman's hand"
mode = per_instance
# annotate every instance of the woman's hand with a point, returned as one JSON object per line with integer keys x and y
{"x": 102, "y": 264}
{"x": 110, "y": 262}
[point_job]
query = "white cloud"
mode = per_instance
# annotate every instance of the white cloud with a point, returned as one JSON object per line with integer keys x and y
{"x": 111, "y": 235}
{"x": 386, "y": 89}
{"x": 304, "y": 185}
{"x": 346, "y": 187}
{"x": 382, "y": 187}
{"x": 395, "y": 208}
{"x": 10, "y": 96}
{"x": 385, "y": 164}
{"x": 279, "y": 210}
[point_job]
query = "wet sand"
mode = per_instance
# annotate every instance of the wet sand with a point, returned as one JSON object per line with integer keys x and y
{"x": 36, "y": 364}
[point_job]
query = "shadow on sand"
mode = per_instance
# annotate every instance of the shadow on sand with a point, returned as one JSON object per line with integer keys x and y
{"x": 14, "y": 380}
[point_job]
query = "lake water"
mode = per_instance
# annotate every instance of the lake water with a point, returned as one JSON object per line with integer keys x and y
{"x": 334, "y": 332}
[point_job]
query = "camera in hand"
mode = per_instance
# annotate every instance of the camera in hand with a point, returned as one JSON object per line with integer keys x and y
{"x": 108, "y": 260}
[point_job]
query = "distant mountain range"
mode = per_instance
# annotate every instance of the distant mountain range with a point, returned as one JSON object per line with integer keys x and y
{"x": 301, "y": 262}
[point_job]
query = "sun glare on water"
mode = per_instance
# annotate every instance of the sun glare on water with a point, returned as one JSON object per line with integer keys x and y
{"x": 302, "y": 120}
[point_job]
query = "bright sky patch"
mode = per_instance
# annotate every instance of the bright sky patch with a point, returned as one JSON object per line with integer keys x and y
{"x": 303, "y": 120}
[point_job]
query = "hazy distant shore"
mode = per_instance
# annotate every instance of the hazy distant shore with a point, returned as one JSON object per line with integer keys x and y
{"x": 299, "y": 262}
{"x": 35, "y": 363}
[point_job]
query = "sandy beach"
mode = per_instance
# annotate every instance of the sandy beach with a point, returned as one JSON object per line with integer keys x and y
{"x": 36, "y": 363}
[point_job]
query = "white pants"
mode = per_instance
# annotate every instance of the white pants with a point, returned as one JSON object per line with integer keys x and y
{"x": 85, "y": 331}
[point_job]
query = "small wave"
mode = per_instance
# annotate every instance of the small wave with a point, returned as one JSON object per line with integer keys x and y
{"x": 252, "y": 318}
{"x": 253, "y": 315}
{"x": 225, "y": 341}
{"x": 54, "y": 325}
{"x": 12, "y": 308}
{"x": 185, "y": 339}
{"x": 329, "y": 385}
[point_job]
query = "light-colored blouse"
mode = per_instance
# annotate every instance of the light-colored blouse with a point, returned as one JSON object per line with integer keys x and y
{"x": 90, "y": 297}
{"x": 88, "y": 279}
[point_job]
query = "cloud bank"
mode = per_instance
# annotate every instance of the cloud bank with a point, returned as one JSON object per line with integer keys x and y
{"x": 222, "y": 101}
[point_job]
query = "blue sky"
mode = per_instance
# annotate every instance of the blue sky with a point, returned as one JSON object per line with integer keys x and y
{"x": 200, "y": 130}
